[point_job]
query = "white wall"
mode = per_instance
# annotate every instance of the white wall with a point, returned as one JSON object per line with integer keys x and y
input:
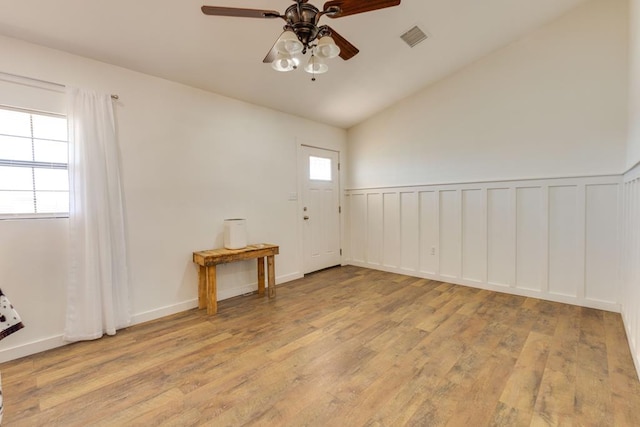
{"x": 553, "y": 104}
{"x": 631, "y": 196}
{"x": 631, "y": 262}
{"x": 190, "y": 159}
{"x": 555, "y": 239}
{"x": 633, "y": 153}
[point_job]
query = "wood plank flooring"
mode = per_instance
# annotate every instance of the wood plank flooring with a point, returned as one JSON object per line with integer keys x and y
{"x": 342, "y": 347}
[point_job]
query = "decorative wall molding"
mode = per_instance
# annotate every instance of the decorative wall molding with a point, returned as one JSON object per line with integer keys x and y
{"x": 632, "y": 174}
{"x": 630, "y": 298}
{"x": 556, "y": 239}
{"x": 493, "y": 181}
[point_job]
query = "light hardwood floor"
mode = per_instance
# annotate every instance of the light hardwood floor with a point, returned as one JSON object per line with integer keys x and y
{"x": 342, "y": 347}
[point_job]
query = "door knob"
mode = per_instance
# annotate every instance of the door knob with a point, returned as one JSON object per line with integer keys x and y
{"x": 305, "y": 217}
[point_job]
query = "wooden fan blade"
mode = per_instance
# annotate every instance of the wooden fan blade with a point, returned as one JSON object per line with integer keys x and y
{"x": 347, "y": 50}
{"x": 351, "y": 7}
{"x": 271, "y": 56}
{"x": 241, "y": 13}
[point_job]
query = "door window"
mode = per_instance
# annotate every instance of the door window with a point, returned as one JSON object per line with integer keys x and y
{"x": 319, "y": 168}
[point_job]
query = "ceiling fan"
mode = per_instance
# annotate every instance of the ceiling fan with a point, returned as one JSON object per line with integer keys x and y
{"x": 302, "y": 32}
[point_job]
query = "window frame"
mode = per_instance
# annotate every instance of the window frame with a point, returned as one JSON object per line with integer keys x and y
{"x": 33, "y": 164}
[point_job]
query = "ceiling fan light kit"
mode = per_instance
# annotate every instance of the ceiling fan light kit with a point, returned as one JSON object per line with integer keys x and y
{"x": 316, "y": 65}
{"x": 288, "y": 46}
{"x": 302, "y": 32}
{"x": 285, "y": 62}
{"x": 289, "y": 43}
{"x": 327, "y": 48}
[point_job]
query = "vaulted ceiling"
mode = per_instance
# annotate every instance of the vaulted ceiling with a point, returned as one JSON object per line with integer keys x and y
{"x": 176, "y": 41}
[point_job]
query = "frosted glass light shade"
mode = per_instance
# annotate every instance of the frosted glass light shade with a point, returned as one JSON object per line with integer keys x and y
{"x": 327, "y": 48}
{"x": 284, "y": 63}
{"x": 289, "y": 43}
{"x": 316, "y": 65}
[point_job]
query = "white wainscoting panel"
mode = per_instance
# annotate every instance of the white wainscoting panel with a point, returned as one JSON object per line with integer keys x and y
{"x": 391, "y": 235}
{"x": 450, "y": 242}
{"x": 409, "y": 236}
{"x": 530, "y": 238}
{"x": 374, "y": 235}
{"x": 563, "y": 240}
{"x": 474, "y": 231}
{"x": 500, "y": 238}
{"x": 555, "y": 239}
{"x": 602, "y": 248}
{"x": 357, "y": 210}
{"x": 630, "y": 292}
{"x": 429, "y": 235}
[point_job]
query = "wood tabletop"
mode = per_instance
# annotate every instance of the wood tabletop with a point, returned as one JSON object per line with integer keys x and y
{"x": 223, "y": 255}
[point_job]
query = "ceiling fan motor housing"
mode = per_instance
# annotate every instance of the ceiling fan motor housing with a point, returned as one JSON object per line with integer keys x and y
{"x": 303, "y": 19}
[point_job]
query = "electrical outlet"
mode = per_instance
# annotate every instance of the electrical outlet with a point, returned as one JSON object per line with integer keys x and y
{"x": 433, "y": 250}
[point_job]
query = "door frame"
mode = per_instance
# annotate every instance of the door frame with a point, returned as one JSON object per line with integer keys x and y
{"x": 300, "y": 185}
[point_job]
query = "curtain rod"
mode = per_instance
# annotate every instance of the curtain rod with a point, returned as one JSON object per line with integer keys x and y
{"x": 113, "y": 96}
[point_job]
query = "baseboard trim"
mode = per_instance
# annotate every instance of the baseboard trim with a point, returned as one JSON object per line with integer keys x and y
{"x": 252, "y": 287}
{"x": 32, "y": 348}
{"x": 164, "y": 311}
{"x": 289, "y": 277}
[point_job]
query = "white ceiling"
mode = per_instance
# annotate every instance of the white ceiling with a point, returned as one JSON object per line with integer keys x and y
{"x": 174, "y": 40}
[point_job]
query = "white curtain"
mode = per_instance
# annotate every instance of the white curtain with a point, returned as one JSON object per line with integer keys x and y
{"x": 98, "y": 293}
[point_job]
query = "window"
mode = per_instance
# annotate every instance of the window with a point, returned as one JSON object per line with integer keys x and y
{"x": 319, "y": 168}
{"x": 34, "y": 180}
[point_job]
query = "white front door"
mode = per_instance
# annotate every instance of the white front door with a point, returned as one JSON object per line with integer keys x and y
{"x": 320, "y": 208}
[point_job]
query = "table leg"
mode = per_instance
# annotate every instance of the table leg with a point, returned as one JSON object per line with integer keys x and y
{"x": 212, "y": 293}
{"x": 271, "y": 267}
{"x": 261, "y": 276}
{"x": 202, "y": 287}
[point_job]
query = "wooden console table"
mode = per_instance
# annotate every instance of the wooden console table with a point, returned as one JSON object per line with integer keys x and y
{"x": 207, "y": 261}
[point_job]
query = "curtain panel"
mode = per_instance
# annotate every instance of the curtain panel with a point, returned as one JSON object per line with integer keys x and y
{"x": 98, "y": 297}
